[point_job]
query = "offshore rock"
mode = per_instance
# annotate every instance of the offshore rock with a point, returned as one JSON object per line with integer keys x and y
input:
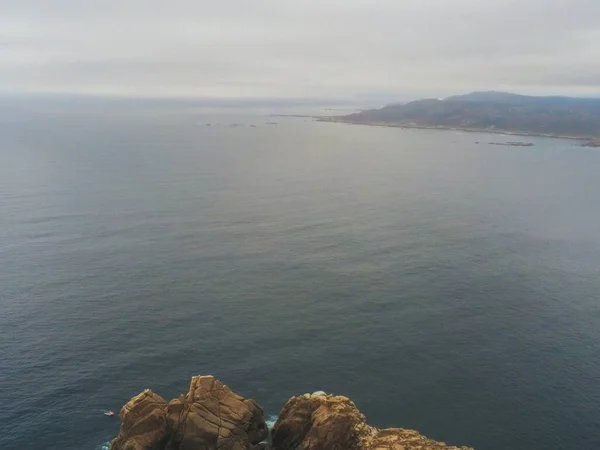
{"x": 328, "y": 422}
{"x": 143, "y": 423}
{"x": 210, "y": 416}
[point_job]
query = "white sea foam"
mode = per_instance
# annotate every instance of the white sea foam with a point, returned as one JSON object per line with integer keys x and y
{"x": 271, "y": 421}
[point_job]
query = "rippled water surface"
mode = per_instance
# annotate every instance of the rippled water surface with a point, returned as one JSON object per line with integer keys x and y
{"x": 444, "y": 285}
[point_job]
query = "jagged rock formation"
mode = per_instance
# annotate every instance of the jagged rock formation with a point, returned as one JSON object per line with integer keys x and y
{"x": 328, "y": 422}
{"x": 210, "y": 416}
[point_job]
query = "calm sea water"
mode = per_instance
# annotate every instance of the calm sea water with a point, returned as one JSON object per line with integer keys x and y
{"x": 445, "y": 286}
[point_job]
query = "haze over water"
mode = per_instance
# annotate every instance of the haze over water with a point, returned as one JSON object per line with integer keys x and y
{"x": 444, "y": 286}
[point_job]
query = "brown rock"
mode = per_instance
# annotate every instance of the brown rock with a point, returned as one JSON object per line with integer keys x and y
{"x": 327, "y": 422}
{"x": 209, "y": 416}
{"x": 143, "y": 423}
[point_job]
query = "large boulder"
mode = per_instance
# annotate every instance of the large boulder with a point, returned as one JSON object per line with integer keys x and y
{"x": 327, "y": 422}
{"x": 210, "y": 416}
{"x": 143, "y": 423}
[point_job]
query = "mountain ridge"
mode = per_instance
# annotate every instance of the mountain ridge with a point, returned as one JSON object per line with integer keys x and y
{"x": 491, "y": 111}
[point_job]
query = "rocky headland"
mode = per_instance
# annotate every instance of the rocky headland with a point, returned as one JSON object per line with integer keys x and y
{"x": 211, "y": 416}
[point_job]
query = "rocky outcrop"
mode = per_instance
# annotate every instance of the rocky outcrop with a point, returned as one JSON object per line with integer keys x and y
{"x": 327, "y": 422}
{"x": 210, "y": 416}
{"x": 143, "y": 423}
{"x": 594, "y": 143}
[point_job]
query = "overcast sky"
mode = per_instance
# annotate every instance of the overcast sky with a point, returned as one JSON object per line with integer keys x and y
{"x": 299, "y": 48}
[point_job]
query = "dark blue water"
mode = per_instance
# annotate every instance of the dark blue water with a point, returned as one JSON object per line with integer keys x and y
{"x": 443, "y": 285}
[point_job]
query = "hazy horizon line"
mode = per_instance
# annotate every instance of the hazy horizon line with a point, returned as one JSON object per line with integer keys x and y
{"x": 353, "y": 100}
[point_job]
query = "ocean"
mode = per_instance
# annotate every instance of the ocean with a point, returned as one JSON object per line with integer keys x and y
{"x": 443, "y": 285}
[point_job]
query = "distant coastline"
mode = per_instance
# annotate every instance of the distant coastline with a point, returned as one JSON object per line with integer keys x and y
{"x": 491, "y": 112}
{"x": 341, "y": 119}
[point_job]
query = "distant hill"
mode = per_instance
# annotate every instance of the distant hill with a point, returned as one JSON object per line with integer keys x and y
{"x": 491, "y": 111}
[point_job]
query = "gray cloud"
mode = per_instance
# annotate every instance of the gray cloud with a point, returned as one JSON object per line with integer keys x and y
{"x": 309, "y": 48}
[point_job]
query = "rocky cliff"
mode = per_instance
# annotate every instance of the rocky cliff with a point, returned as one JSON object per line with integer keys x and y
{"x": 211, "y": 416}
